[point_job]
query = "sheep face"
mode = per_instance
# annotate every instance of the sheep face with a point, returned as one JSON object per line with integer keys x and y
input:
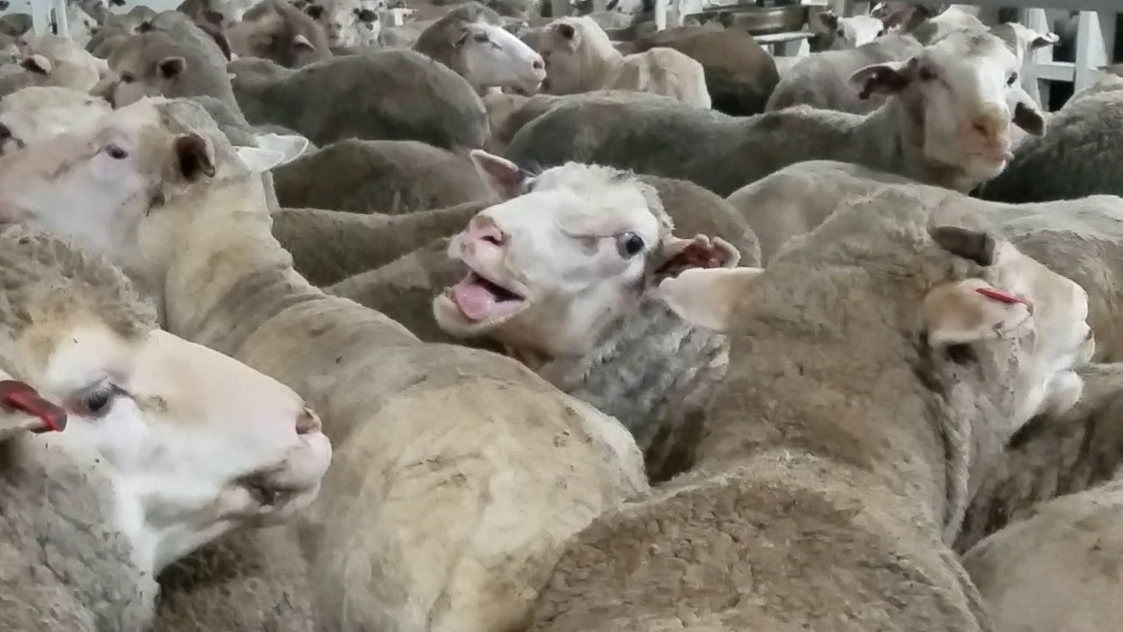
{"x": 35, "y": 114}
{"x": 198, "y": 442}
{"x": 851, "y": 32}
{"x": 136, "y": 160}
{"x": 561, "y": 258}
{"x": 961, "y": 96}
{"x": 346, "y": 23}
{"x": 569, "y": 46}
{"x": 492, "y": 57}
{"x": 51, "y": 60}
{"x": 133, "y": 78}
{"x": 969, "y": 302}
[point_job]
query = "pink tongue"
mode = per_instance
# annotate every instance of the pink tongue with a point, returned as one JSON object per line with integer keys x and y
{"x": 474, "y": 301}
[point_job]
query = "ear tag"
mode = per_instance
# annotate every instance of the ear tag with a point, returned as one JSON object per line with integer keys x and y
{"x": 1004, "y": 297}
{"x": 15, "y": 395}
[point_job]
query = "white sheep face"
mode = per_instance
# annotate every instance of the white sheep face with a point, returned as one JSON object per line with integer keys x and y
{"x": 857, "y": 30}
{"x": 198, "y": 442}
{"x": 119, "y": 169}
{"x": 347, "y": 23}
{"x": 34, "y": 114}
{"x": 963, "y": 92}
{"x": 561, "y": 258}
{"x": 492, "y": 57}
{"x": 549, "y": 266}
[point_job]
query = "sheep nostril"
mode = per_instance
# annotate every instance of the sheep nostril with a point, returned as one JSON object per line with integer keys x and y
{"x": 307, "y": 422}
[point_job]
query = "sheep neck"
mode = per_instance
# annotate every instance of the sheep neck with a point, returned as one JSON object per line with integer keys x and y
{"x": 231, "y": 249}
{"x": 902, "y": 151}
{"x": 602, "y": 70}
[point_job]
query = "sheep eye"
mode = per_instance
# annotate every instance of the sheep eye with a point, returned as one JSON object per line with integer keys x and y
{"x": 926, "y": 74}
{"x": 629, "y": 245}
{"x": 115, "y": 152}
{"x": 126, "y": 78}
{"x": 1012, "y": 79}
{"x": 96, "y": 400}
{"x": 480, "y": 37}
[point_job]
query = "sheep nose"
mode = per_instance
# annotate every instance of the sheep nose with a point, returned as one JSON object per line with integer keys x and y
{"x": 483, "y": 228}
{"x": 5, "y": 132}
{"x": 988, "y": 127}
{"x": 539, "y": 64}
{"x": 308, "y": 422}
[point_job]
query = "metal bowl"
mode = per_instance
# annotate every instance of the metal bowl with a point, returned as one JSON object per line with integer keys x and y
{"x": 759, "y": 20}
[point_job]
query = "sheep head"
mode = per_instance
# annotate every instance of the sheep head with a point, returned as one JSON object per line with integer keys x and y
{"x": 104, "y": 185}
{"x": 960, "y": 96}
{"x": 196, "y": 442}
{"x": 965, "y": 300}
{"x": 562, "y": 256}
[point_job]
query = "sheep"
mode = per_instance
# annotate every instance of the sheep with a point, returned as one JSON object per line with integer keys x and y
{"x": 385, "y": 176}
{"x": 185, "y": 441}
{"x": 580, "y": 57}
{"x": 82, "y": 25}
{"x": 36, "y": 113}
{"x": 1057, "y": 569}
{"x": 848, "y": 32}
{"x": 822, "y": 80}
{"x": 374, "y": 380}
{"x": 50, "y": 60}
{"x": 796, "y": 199}
{"x": 531, "y": 108}
{"x": 158, "y": 64}
{"x": 500, "y": 106}
{"x": 15, "y": 24}
{"x": 347, "y": 22}
{"x": 471, "y": 41}
{"x": 824, "y": 512}
{"x": 328, "y": 247}
{"x": 361, "y": 96}
{"x": 117, "y": 29}
{"x": 577, "y": 302}
{"x": 1055, "y": 455}
{"x": 1081, "y": 239}
{"x": 961, "y": 121}
{"x": 740, "y": 74}
{"x": 276, "y": 30}
{"x": 1070, "y": 161}
{"x": 183, "y": 28}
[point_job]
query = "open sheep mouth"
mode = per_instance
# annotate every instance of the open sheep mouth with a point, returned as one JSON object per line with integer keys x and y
{"x": 480, "y": 299}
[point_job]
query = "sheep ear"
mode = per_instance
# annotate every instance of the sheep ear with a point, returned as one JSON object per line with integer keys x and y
{"x": 194, "y": 157}
{"x": 828, "y": 19}
{"x": 1041, "y": 40}
{"x": 884, "y": 78}
{"x": 1027, "y": 115}
{"x": 707, "y": 298}
{"x": 302, "y": 42}
{"x": 37, "y": 64}
{"x": 972, "y": 310}
{"x": 171, "y": 67}
{"x": 259, "y": 160}
{"x": 504, "y": 176}
{"x": 677, "y": 254}
{"x": 290, "y": 145}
